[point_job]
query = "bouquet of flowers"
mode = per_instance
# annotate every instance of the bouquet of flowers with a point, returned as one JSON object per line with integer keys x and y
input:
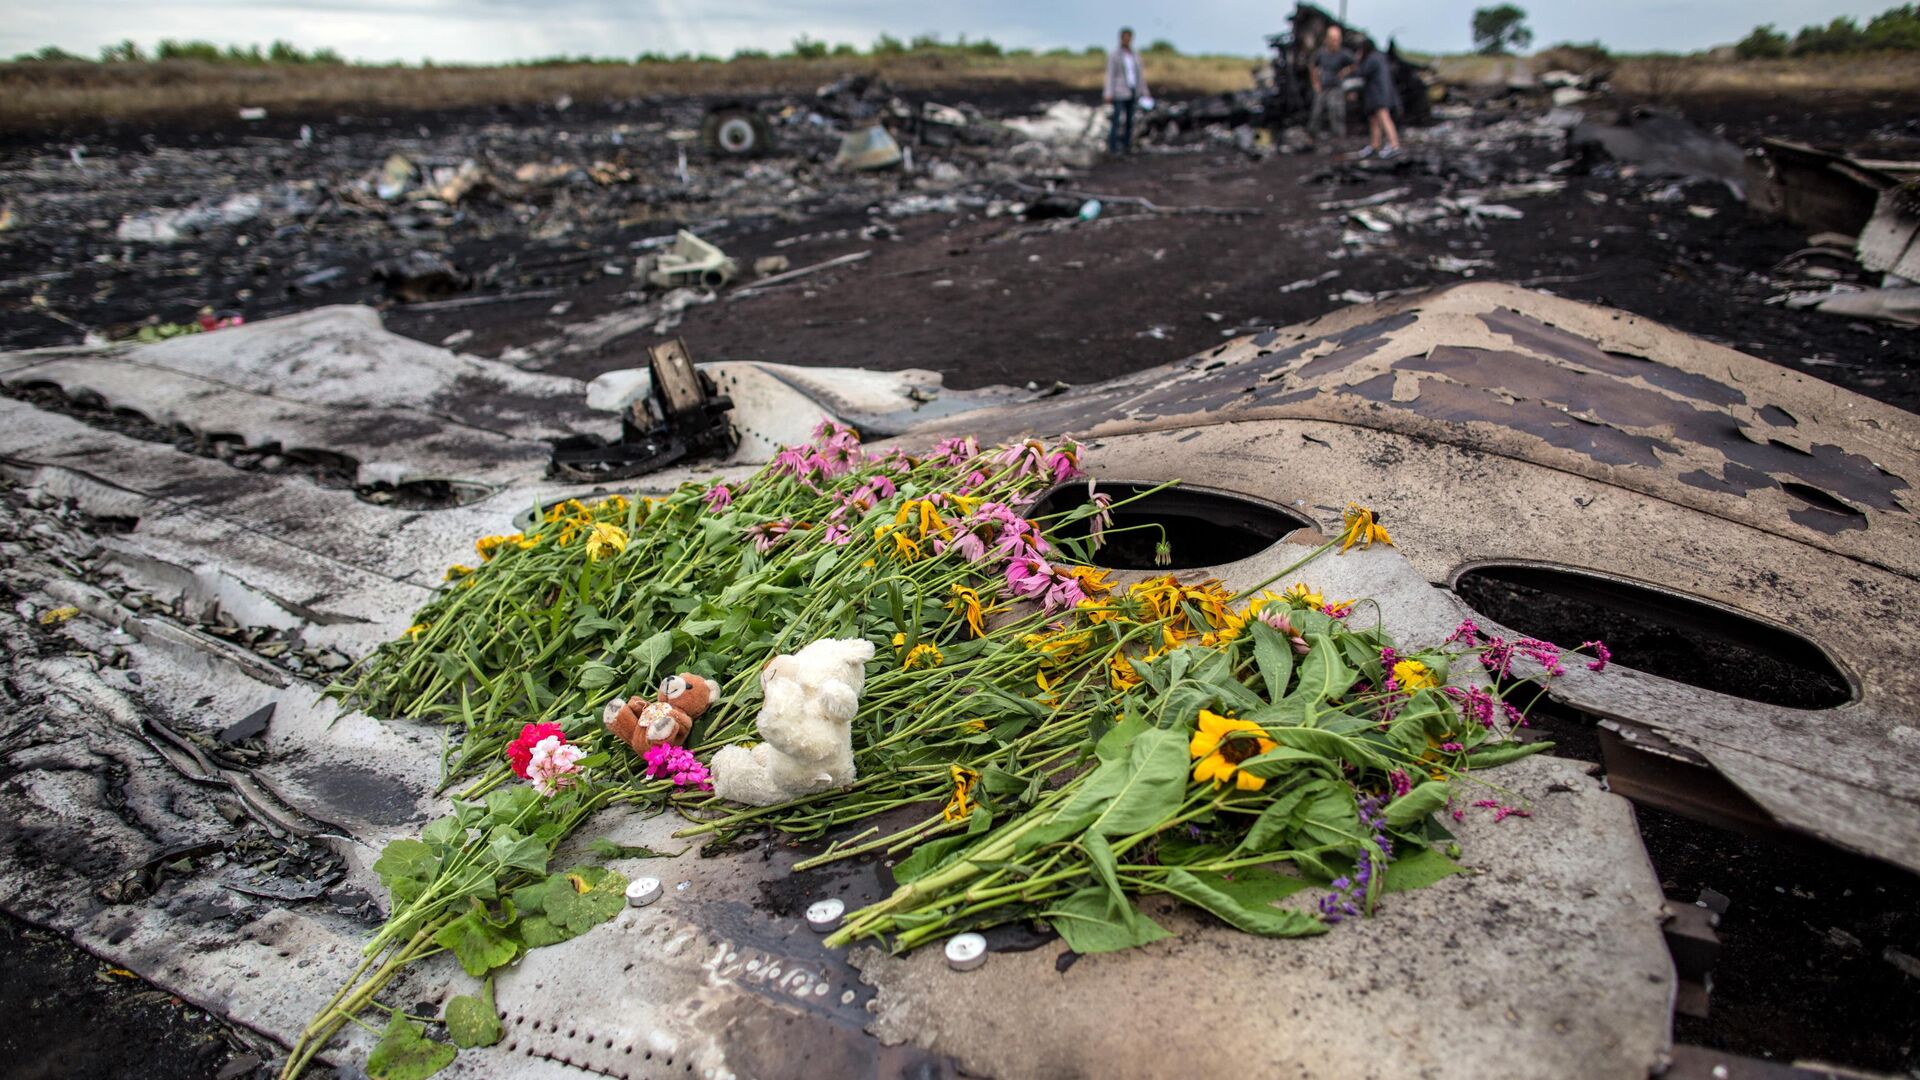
{"x": 1075, "y": 742}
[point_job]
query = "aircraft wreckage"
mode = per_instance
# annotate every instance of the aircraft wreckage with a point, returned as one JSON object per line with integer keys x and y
{"x": 201, "y": 533}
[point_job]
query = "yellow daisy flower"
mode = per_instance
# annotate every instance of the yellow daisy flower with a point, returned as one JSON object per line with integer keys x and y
{"x": 961, "y": 804}
{"x": 605, "y": 540}
{"x": 1362, "y": 528}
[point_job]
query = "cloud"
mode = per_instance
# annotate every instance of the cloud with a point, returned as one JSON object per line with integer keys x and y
{"x": 497, "y": 30}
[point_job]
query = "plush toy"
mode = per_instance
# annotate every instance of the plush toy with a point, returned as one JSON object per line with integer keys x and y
{"x": 806, "y": 720}
{"x": 667, "y": 718}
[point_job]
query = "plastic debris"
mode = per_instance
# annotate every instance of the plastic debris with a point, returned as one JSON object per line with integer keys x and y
{"x": 866, "y": 149}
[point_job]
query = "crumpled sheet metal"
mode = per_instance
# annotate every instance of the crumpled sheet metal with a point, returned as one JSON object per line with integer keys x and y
{"x": 1492, "y": 425}
{"x": 332, "y": 380}
{"x": 1573, "y": 387}
{"x": 718, "y": 976}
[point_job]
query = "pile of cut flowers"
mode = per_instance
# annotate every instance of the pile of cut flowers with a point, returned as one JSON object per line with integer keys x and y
{"x": 1074, "y": 741}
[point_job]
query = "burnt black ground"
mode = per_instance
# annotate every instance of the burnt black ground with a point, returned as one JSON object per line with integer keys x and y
{"x": 1806, "y": 968}
{"x": 71, "y": 1016}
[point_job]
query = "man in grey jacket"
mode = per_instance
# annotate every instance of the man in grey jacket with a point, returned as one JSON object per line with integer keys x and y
{"x": 1327, "y": 69}
{"x": 1126, "y": 88}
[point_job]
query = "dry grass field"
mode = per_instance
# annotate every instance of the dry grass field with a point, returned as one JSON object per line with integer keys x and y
{"x": 1667, "y": 76}
{"x": 41, "y": 94}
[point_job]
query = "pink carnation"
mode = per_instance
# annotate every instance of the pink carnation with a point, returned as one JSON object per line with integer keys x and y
{"x": 554, "y": 765}
{"x": 520, "y": 750}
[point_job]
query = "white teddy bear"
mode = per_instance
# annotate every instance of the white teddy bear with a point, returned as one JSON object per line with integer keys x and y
{"x": 806, "y": 718}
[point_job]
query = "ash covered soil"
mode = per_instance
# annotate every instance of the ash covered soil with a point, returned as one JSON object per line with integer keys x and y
{"x": 958, "y": 280}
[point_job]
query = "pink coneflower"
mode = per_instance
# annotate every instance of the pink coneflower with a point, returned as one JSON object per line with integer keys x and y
{"x": 767, "y": 535}
{"x": 956, "y": 452}
{"x": 1026, "y": 459}
{"x": 1102, "y": 518}
{"x": 1029, "y": 577}
{"x": 718, "y": 498}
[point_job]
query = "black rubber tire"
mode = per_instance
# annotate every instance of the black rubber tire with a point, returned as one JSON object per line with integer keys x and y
{"x": 738, "y": 133}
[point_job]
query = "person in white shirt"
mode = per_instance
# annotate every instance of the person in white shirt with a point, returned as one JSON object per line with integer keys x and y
{"x": 1126, "y": 89}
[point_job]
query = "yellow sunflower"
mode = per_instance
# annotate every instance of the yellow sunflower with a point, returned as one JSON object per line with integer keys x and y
{"x": 1221, "y": 743}
{"x": 1414, "y": 675}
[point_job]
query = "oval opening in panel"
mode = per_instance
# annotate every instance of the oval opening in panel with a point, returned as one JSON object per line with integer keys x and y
{"x": 1202, "y": 527}
{"x": 1661, "y": 633}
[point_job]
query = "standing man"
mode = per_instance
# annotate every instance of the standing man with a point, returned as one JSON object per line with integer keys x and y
{"x": 1380, "y": 98}
{"x": 1327, "y": 69}
{"x": 1126, "y": 86}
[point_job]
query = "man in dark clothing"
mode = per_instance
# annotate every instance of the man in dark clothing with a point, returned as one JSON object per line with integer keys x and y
{"x": 1326, "y": 71}
{"x": 1126, "y": 89}
{"x": 1379, "y": 97}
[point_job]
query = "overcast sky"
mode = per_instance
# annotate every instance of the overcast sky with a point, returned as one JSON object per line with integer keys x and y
{"x": 491, "y": 30}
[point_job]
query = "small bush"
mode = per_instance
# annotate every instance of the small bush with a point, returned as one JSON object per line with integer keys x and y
{"x": 1765, "y": 43}
{"x": 751, "y": 54}
{"x": 1162, "y": 47}
{"x": 888, "y": 45}
{"x": 805, "y": 48}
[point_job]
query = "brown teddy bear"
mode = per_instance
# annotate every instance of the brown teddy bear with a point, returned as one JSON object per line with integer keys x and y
{"x": 667, "y": 718}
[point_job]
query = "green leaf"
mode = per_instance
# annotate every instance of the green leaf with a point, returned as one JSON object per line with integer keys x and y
{"x": 591, "y": 625}
{"x": 473, "y": 1021}
{"x": 1273, "y": 654}
{"x": 538, "y": 930}
{"x": 1276, "y": 823}
{"x": 607, "y": 849}
{"x": 1246, "y": 908}
{"x": 651, "y": 653}
{"x": 1419, "y": 870}
{"x": 928, "y": 857}
{"x": 1486, "y": 757}
{"x": 1323, "y": 674}
{"x": 406, "y": 868}
{"x": 700, "y": 628}
{"x": 1417, "y": 803}
{"x": 516, "y": 851}
{"x": 1087, "y": 922}
{"x": 476, "y": 943}
{"x": 1283, "y": 759}
{"x": 584, "y": 897}
{"x": 506, "y": 805}
{"x": 1136, "y": 794}
{"x": 1328, "y": 745}
{"x": 595, "y": 675}
{"x": 446, "y": 831}
{"x": 405, "y": 1053}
